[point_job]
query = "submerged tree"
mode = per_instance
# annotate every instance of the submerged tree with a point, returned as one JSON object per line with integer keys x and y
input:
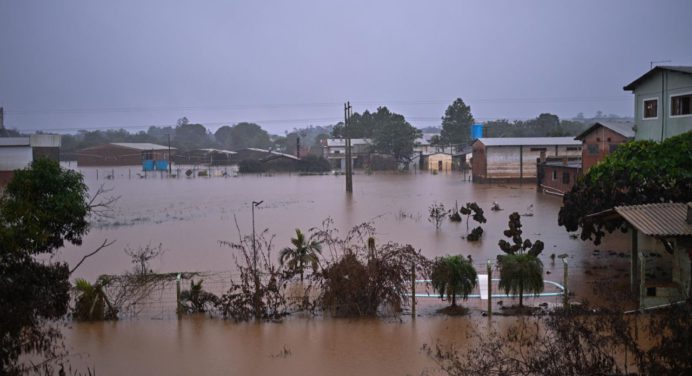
{"x": 92, "y": 302}
{"x": 196, "y": 300}
{"x": 521, "y": 270}
{"x": 304, "y": 252}
{"x": 452, "y": 276}
{"x": 467, "y": 210}
{"x": 437, "y": 214}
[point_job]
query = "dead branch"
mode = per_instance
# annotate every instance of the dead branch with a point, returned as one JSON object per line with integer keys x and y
{"x": 103, "y": 245}
{"x": 100, "y": 205}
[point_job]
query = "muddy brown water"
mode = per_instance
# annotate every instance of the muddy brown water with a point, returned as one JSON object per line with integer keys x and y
{"x": 190, "y": 216}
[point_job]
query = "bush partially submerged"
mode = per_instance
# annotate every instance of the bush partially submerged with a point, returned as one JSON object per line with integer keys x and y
{"x": 362, "y": 279}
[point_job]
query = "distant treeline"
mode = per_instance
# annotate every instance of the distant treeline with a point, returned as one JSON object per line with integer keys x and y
{"x": 187, "y": 136}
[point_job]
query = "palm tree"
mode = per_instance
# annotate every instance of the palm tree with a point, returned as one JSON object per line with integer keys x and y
{"x": 92, "y": 301}
{"x": 519, "y": 273}
{"x": 454, "y": 275}
{"x": 305, "y": 252}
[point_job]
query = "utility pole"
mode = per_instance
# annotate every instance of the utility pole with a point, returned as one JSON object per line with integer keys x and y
{"x": 254, "y": 263}
{"x": 169, "y": 156}
{"x": 347, "y": 135}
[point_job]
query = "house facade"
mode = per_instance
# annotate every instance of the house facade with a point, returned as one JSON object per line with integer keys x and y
{"x": 601, "y": 139}
{"x": 15, "y": 154}
{"x": 557, "y": 175}
{"x": 662, "y": 102}
{"x": 514, "y": 159}
{"x": 335, "y": 152}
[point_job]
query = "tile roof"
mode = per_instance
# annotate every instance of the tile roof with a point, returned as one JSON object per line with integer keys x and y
{"x": 528, "y": 141}
{"x": 665, "y": 219}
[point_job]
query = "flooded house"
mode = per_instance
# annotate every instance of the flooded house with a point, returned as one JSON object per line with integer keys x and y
{"x": 662, "y": 102}
{"x": 514, "y": 159}
{"x": 557, "y": 175}
{"x": 206, "y": 156}
{"x": 335, "y": 152}
{"x": 126, "y": 154}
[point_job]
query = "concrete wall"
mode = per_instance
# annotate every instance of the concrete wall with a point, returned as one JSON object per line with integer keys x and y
{"x": 437, "y": 160}
{"x": 661, "y": 85}
{"x": 15, "y": 157}
{"x": 597, "y": 144}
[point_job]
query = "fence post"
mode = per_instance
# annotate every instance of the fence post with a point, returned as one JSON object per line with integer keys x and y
{"x": 490, "y": 289}
{"x": 413, "y": 290}
{"x": 565, "y": 293}
{"x": 178, "y": 307}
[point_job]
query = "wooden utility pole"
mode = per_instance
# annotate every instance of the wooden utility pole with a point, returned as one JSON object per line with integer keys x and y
{"x": 347, "y": 136}
{"x": 169, "y": 156}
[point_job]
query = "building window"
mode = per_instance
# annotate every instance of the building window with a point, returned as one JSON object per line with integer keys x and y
{"x": 538, "y": 149}
{"x": 681, "y": 105}
{"x": 593, "y": 149}
{"x": 650, "y": 108}
{"x": 613, "y": 147}
{"x": 573, "y": 148}
{"x": 565, "y": 178}
{"x": 554, "y": 174}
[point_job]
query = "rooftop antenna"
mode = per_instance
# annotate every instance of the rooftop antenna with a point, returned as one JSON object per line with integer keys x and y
{"x": 651, "y": 63}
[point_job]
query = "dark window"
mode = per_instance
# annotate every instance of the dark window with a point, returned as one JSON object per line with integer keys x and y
{"x": 538, "y": 149}
{"x": 681, "y": 105}
{"x": 650, "y": 108}
{"x": 613, "y": 147}
{"x": 148, "y": 155}
{"x": 573, "y": 148}
{"x": 554, "y": 175}
{"x": 593, "y": 149}
{"x": 565, "y": 178}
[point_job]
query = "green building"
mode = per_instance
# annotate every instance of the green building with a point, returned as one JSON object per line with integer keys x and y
{"x": 662, "y": 103}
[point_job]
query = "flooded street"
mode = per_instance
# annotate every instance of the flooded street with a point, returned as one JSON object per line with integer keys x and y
{"x": 190, "y": 216}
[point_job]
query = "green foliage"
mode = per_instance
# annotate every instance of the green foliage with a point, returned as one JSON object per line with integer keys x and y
{"x": 251, "y": 166}
{"x": 456, "y": 123}
{"x": 467, "y": 210}
{"x": 43, "y": 207}
{"x": 92, "y": 303}
{"x": 391, "y": 134}
{"x": 452, "y": 276}
{"x": 243, "y": 135}
{"x": 520, "y": 269}
{"x": 313, "y": 163}
{"x": 304, "y": 252}
{"x": 545, "y": 125}
{"x": 638, "y": 172}
{"x": 196, "y": 300}
{"x": 191, "y": 136}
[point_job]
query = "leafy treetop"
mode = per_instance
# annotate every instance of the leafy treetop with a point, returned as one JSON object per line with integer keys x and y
{"x": 519, "y": 245}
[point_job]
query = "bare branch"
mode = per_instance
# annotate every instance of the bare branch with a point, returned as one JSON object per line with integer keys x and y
{"x": 103, "y": 245}
{"x": 100, "y": 205}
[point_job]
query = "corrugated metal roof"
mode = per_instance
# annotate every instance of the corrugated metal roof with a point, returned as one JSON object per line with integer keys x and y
{"x": 141, "y": 146}
{"x": 222, "y": 151}
{"x": 666, "y": 219}
{"x": 625, "y": 128}
{"x": 15, "y": 141}
{"x": 271, "y": 152}
{"x": 528, "y": 141}
{"x": 681, "y": 69}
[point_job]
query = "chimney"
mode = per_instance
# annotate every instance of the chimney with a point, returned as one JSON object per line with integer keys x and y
{"x": 689, "y": 213}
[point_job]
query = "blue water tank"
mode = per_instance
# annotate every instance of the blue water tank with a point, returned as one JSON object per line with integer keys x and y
{"x": 476, "y": 131}
{"x": 161, "y": 165}
{"x": 148, "y": 165}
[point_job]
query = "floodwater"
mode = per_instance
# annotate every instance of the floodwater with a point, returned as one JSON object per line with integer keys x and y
{"x": 189, "y": 216}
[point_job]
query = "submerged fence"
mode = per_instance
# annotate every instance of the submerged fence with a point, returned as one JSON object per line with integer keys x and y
{"x": 158, "y": 296}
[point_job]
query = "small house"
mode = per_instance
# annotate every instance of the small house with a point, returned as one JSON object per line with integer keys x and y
{"x": 601, "y": 139}
{"x": 557, "y": 175}
{"x": 270, "y": 160}
{"x": 513, "y": 159}
{"x": 335, "y": 152}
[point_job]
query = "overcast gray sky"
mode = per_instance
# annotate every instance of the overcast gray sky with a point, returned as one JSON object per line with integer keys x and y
{"x": 108, "y": 64}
